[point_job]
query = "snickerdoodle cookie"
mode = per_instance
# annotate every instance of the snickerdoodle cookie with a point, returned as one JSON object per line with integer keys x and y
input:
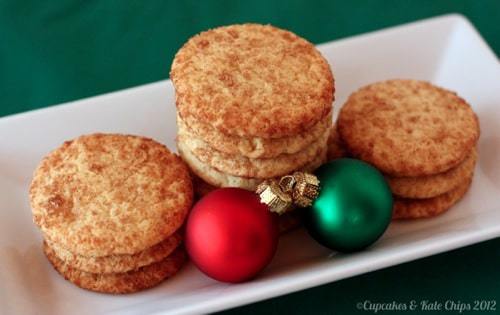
{"x": 218, "y": 178}
{"x": 253, "y": 102}
{"x": 433, "y": 185}
{"x": 119, "y": 283}
{"x": 109, "y": 207}
{"x": 252, "y": 80}
{"x": 422, "y": 208}
{"x": 110, "y": 194}
{"x": 241, "y": 166}
{"x": 408, "y": 128}
{"x": 118, "y": 263}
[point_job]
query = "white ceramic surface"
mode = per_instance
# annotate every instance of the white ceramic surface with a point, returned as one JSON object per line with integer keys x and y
{"x": 446, "y": 50}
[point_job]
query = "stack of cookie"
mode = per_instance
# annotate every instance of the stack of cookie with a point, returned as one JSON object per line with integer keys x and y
{"x": 110, "y": 207}
{"x": 253, "y": 102}
{"x": 421, "y": 136}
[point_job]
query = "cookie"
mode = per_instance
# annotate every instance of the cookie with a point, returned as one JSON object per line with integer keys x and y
{"x": 118, "y": 263}
{"x": 433, "y": 185}
{"x": 246, "y": 167}
{"x": 336, "y": 149}
{"x": 118, "y": 283}
{"x": 422, "y": 208}
{"x": 110, "y": 194}
{"x": 253, "y": 147}
{"x": 408, "y": 128}
{"x": 252, "y": 80}
{"x": 220, "y": 179}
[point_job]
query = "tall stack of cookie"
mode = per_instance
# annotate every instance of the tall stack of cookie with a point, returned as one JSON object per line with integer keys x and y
{"x": 253, "y": 102}
{"x": 110, "y": 207}
{"x": 421, "y": 136}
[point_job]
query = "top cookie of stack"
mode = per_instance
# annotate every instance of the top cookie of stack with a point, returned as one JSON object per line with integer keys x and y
{"x": 421, "y": 136}
{"x": 253, "y": 101}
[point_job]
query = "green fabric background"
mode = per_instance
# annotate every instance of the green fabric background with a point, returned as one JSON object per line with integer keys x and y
{"x": 56, "y": 51}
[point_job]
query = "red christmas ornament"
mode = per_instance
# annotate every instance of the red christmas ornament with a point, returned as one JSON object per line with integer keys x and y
{"x": 230, "y": 235}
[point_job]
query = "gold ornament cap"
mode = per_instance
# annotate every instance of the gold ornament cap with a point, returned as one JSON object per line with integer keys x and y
{"x": 299, "y": 189}
{"x": 306, "y": 189}
{"x": 273, "y": 196}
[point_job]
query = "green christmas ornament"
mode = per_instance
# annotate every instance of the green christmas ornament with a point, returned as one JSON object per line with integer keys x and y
{"x": 353, "y": 208}
{"x": 347, "y": 203}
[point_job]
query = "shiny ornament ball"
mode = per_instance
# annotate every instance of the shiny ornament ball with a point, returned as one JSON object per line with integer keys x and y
{"x": 354, "y": 206}
{"x": 230, "y": 235}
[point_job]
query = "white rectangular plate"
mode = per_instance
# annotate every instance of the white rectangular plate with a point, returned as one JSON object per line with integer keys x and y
{"x": 447, "y": 51}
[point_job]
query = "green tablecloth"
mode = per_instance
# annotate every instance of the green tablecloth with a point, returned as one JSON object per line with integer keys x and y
{"x": 53, "y": 52}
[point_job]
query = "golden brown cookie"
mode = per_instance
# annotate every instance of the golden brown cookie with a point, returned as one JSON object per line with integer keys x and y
{"x": 118, "y": 283}
{"x": 433, "y": 185}
{"x": 408, "y": 128}
{"x": 220, "y": 179}
{"x": 119, "y": 263}
{"x": 423, "y": 208}
{"x": 336, "y": 149}
{"x": 252, "y": 80}
{"x": 110, "y": 194}
{"x": 255, "y": 168}
{"x": 253, "y": 147}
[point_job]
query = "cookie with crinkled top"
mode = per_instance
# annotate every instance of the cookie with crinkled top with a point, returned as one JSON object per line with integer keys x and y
{"x": 110, "y": 194}
{"x": 118, "y": 263}
{"x": 254, "y": 147}
{"x": 408, "y": 128}
{"x": 433, "y": 185}
{"x": 119, "y": 283}
{"x": 247, "y": 167}
{"x": 252, "y": 80}
{"x": 218, "y": 178}
{"x": 405, "y": 208}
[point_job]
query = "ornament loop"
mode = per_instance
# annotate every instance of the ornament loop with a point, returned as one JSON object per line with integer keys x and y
{"x": 287, "y": 183}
